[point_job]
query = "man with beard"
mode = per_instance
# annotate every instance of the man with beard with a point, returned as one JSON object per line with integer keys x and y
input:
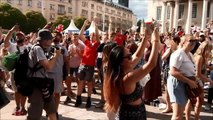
{"x": 57, "y": 72}
{"x": 12, "y": 48}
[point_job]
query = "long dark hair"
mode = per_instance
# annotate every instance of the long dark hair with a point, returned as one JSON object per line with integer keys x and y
{"x": 112, "y": 82}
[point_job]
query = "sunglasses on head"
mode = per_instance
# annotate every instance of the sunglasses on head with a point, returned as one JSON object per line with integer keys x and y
{"x": 128, "y": 56}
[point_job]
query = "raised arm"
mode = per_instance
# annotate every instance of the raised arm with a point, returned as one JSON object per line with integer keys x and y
{"x": 81, "y": 36}
{"x": 96, "y": 29}
{"x": 96, "y": 33}
{"x": 9, "y": 35}
{"x": 139, "y": 73}
{"x": 198, "y": 73}
{"x": 137, "y": 56}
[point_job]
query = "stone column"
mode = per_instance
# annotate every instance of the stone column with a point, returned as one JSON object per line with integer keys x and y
{"x": 171, "y": 4}
{"x": 43, "y": 7}
{"x": 110, "y": 26}
{"x": 176, "y": 14}
{"x": 211, "y": 10}
{"x": 204, "y": 14}
{"x": 163, "y": 18}
{"x": 142, "y": 27}
{"x": 189, "y": 18}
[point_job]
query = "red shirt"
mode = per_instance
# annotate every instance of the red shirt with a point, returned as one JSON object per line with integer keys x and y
{"x": 90, "y": 52}
{"x": 120, "y": 39}
{"x": 180, "y": 33}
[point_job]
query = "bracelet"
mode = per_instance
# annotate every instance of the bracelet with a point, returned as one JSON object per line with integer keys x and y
{"x": 155, "y": 41}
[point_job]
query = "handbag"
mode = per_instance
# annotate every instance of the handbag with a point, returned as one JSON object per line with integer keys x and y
{"x": 9, "y": 61}
{"x": 4, "y": 100}
{"x": 193, "y": 93}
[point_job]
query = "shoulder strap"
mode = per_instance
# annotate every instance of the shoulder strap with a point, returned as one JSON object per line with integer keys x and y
{"x": 17, "y": 47}
{"x": 35, "y": 68}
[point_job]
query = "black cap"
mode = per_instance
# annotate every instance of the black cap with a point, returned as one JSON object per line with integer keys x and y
{"x": 44, "y": 34}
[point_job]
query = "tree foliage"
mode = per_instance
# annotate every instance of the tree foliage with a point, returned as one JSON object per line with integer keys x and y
{"x": 79, "y": 21}
{"x": 139, "y": 25}
{"x": 35, "y": 20}
{"x": 9, "y": 16}
{"x": 64, "y": 20}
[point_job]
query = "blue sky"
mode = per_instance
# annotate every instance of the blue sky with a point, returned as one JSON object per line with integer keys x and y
{"x": 139, "y": 7}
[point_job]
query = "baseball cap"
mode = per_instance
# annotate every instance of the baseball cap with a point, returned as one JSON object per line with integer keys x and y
{"x": 20, "y": 36}
{"x": 44, "y": 34}
{"x": 201, "y": 34}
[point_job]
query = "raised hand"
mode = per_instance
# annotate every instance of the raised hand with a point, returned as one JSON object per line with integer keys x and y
{"x": 155, "y": 36}
{"x": 87, "y": 22}
{"x": 15, "y": 28}
{"x": 192, "y": 84}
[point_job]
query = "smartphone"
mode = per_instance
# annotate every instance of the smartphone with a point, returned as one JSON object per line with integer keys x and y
{"x": 149, "y": 27}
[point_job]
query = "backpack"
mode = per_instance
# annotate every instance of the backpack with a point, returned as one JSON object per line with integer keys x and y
{"x": 23, "y": 84}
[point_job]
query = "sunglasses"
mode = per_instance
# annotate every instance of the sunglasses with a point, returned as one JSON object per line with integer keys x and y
{"x": 192, "y": 42}
{"x": 128, "y": 56}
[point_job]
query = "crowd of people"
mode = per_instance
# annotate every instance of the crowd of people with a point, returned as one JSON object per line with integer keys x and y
{"x": 122, "y": 59}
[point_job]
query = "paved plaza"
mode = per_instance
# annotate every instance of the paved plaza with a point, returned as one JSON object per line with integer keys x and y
{"x": 69, "y": 112}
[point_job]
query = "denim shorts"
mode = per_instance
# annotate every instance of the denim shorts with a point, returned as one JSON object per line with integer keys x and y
{"x": 177, "y": 91}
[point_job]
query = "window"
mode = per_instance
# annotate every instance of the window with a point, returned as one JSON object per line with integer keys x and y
{"x": 194, "y": 10}
{"x": 99, "y": 16}
{"x": 181, "y": 11}
{"x": 106, "y": 18}
{"x": 52, "y": 6}
{"x": 52, "y": 16}
{"x": 118, "y": 13}
{"x": 69, "y": 1}
{"x": 84, "y": 12}
{"x": 84, "y": 4}
{"x": 61, "y": 9}
{"x": 208, "y": 9}
{"x": 69, "y": 10}
{"x": 159, "y": 9}
{"x": 92, "y": 15}
{"x": 107, "y": 10}
{"x": 168, "y": 12}
{"x": 9, "y": 1}
{"x": 124, "y": 15}
{"x": 113, "y": 19}
{"x": 20, "y": 2}
{"x": 112, "y": 11}
{"x": 39, "y": 4}
{"x": 92, "y": 6}
{"x": 30, "y": 3}
{"x": 99, "y": 8}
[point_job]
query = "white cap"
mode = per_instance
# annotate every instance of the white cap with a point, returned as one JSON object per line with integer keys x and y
{"x": 211, "y": 31}
{"x": 201, "y": 33}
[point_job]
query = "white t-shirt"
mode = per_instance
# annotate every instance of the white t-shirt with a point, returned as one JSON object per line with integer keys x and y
{"x": 75, "y": 60}
{"x": 13, "y": 48}
{"x": 182, "y": 62}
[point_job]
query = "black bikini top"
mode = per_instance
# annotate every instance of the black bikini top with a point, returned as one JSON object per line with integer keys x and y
{"x": 134, "y": 95}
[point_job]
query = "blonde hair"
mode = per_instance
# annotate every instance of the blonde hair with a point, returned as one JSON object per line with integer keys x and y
{"x": 204, "y": 50}
{"x": 186, "y": 38}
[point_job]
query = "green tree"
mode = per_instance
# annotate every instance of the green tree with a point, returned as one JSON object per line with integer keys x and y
{"x": 64, "y": 20}
{"x": 35, "y": 20}
{"x": 139, "y": 25}
{"x": 79, "y": 21}
{"x": 9, "y": 16}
